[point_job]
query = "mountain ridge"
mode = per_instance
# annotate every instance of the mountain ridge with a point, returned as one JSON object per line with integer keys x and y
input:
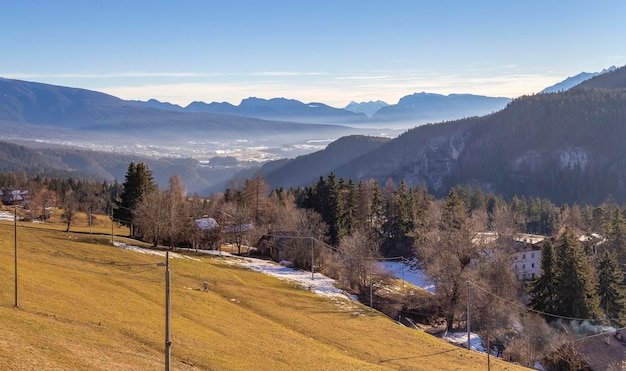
{"x": 567, "y": 147}
{"x": 409, "y": 111}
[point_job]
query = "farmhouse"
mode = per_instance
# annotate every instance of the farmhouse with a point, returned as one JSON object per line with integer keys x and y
{"x": 15, "y": 197}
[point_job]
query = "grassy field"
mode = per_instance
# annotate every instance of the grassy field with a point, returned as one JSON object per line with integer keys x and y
{"x": 85, "y": 305}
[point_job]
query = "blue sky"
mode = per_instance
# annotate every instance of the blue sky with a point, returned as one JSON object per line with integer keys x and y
{"x": 314, "y": 51}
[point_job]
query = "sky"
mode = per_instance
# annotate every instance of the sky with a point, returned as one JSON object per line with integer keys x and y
{"x": 324, "y": 51}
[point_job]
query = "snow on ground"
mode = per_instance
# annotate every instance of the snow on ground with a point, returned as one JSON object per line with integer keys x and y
{"x": 403, "y": 270}
{"x": 460, "y": 339}
{"x": 318, "y": 284}
{"x": 144, "y": 250}
{"x": 5, "y": 215}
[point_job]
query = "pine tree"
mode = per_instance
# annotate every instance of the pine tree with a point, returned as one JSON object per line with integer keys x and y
{"x": 334, "y": 210}
{"x": 617, "y": 234}
{"x": 610, "y": 290}
{"x": 138, "y": 181}
{"x": 543, "y": 290}
{"x": 454, "y": 216}
{"x": 350, "y": 201}
{"x": 574, "y": 280}
{"x": 404, "y": 222}
{"x": 377, "y": 213}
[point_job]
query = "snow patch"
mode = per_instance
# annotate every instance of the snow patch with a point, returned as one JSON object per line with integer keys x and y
{"x": 573, "y": 157}
{"x": 460, "y": 339}
{"x": 5, "y": 215}
{"x": 320, "y": 284}
{"x": 144, "y": 250}
{"x": 530, "y": 159}
{"x": 404, "y": 270}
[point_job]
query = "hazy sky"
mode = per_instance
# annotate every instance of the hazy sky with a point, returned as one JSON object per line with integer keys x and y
{"x": 324, "y": 51}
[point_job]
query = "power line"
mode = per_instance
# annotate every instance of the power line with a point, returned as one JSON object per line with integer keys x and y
{"x": 89, "y": 261}
{"x": 525, "y": 308}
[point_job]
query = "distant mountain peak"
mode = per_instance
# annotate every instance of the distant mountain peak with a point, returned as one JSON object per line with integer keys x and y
{"x": 368, "y": 108}
{"x": 572, "y": 81}
{"x": 155, "y": 103}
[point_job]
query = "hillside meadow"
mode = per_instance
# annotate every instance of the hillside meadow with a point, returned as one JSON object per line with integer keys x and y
{"x": 86, "y": 305}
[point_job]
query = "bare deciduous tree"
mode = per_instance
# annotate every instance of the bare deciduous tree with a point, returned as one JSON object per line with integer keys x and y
{"x": 304, "y": 228}
{"x": 150, "y": 216}
{"x": 448, "y": 244}
{"x": 41, "y": 201}
{"x": 70, "y": 209}
{"x": 359, "y": 253}
{"x": 176, "y": 210}
{"x": 235, "y": 221}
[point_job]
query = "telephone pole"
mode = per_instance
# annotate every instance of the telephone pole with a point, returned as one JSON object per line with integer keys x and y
{"x": 312, "y": 259}
{"x": 112, "y": 240}
{"x": 15, "y": 240}
{"x": 467, "y": 322}
{"x": 168, "y": 341}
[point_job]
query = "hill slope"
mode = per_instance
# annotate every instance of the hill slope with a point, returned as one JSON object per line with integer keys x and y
{"x": 90, "y": 306}
{"x": 106, "y": 166}
{"x": 304, "y": 170}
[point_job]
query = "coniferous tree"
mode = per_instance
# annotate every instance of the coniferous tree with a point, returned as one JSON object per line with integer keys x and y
{"x": 543, "y": 290}
{"x": 138, "y": 181}
{"x": 617, "y": 234}
{"x": 364, "y": 196}
{"x": 574, "y": 280}
{"x": 350, "y": 200}
{"x": 403, "y": 223}
{"x": 332, "y": 212}
{"x": 377, "y": 214}
{"x": 610, "y": 289}
{"x": 255, "y": 194}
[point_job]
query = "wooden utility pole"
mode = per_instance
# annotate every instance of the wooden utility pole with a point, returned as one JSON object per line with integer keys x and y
{"x": 467, "y": 322}
{"x": 112, "y": 241}
{"x": 168, "y": 342}
{"x": 15, "y": 240}
{"x": 312, "y": 259}
{"x": 90, "y": 229}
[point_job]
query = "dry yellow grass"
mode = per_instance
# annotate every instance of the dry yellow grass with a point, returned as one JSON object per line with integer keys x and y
{"x": 91, "y": 306}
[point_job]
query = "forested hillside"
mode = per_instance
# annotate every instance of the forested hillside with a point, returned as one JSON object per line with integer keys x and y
{"x": 105, "y": 166}
{"x": 568, "y": 147}
{"x": 304, "y": 169}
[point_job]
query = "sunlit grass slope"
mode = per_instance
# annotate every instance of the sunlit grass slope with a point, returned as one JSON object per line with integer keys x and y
{"x": 91, "y": 306}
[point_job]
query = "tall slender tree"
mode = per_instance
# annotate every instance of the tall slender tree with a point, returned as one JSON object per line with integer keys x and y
{"x": 574, "y": 280}
{"x": 543, "y": 290}
{"x": 610, "y": 289}
{"x": 446, "y": 250}
{"x": 177, "y": 210}
{"x": 138, "y": 181}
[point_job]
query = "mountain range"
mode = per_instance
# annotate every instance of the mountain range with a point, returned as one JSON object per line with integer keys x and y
{"x": 410, "y": 111}
{"x": 531, "y": 147}
{"x": 568, "y": 147}
{"x": 368, "y": 108}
